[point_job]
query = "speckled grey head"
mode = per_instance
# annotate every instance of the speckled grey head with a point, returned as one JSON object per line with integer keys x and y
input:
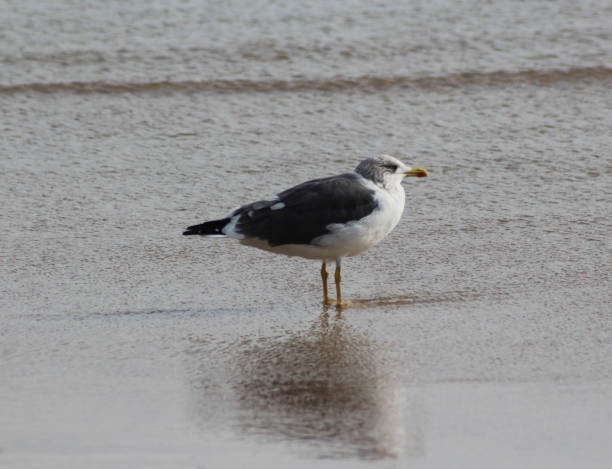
{"x": 386, "y": 170}
{"x": 375, "y": 169}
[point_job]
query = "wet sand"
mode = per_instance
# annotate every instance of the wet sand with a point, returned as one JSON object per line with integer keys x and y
{"x": 483, "y": 335}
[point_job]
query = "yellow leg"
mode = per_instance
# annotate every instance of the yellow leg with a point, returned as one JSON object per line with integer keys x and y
{"x": 324, "y": 277}
{"x": 338, "y": 278}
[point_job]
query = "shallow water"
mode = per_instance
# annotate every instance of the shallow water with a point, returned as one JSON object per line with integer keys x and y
{"x": 483, "y": 334}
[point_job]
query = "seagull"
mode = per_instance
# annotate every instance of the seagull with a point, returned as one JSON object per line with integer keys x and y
{"x": 325, "y": 219}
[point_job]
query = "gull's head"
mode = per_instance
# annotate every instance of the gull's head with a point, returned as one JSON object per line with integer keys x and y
{"x": 387, "y": 171}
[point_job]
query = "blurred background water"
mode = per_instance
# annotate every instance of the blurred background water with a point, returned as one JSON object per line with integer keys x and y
{"x": 485, "y": 332}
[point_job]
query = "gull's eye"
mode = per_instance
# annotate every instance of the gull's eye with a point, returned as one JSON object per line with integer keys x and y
{"x": 391, "y": 167}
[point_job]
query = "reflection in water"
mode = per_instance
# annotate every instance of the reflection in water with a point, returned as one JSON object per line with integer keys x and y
{"x": 329, "y": 385}
{"x": 421, "y": 298}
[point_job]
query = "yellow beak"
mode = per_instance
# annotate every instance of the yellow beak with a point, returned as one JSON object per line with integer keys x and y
{"x": 417, "y": 173}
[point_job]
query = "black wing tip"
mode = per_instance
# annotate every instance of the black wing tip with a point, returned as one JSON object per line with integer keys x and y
{"x": 194, "y": 230}
{"x": 208, "y": 228}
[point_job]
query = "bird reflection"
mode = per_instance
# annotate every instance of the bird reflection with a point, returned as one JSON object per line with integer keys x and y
{"x": 330, "y": 385}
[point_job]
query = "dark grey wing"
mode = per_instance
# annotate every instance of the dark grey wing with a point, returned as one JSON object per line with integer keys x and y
{"x": 307, "y": 210}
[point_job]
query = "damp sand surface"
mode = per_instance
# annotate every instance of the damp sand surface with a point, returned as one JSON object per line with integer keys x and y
{"x": 482, "y": 336}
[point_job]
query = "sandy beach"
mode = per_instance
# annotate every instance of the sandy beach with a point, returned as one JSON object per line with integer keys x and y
{"x": 483, "y": 334}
